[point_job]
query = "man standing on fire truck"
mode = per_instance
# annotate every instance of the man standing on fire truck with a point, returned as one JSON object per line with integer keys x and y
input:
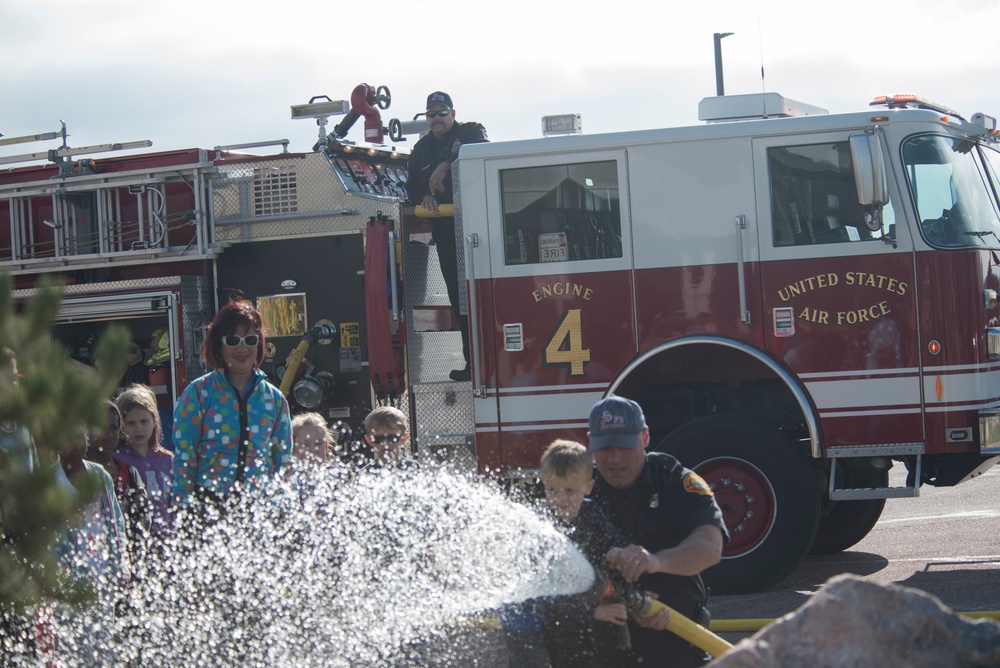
{"x": 669, "y": 514}
{"x": 429, "y": 184}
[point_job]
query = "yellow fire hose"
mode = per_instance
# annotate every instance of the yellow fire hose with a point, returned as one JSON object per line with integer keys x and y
{"x": 443, "y": 211}
{"x": 292, "y": 365}
{"x": 679, "y": 625}
{"x": 684, "y": 628}
{"x": 754, "y": 625}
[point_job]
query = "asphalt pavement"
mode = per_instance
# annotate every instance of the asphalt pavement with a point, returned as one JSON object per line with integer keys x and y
{"x": 945, "y": 542}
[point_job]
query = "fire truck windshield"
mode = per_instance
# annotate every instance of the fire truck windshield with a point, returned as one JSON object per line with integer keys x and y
{"x": 952, "y": 183}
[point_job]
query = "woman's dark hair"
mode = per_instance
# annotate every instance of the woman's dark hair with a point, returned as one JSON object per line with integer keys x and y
{"x": 226, "y": 322}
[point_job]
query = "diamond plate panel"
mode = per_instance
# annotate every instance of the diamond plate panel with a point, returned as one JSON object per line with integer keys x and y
{"x": 197, "y": 310}
{"x": 422, "y": 273}
{"x": 446, "y": 415}
{"x": 460, "y": 458}
{"x": 287, "y": 196}
{"x": 430, "y": 355}
{"x": 109, "y": 287}
{"x": 456, "y": 180}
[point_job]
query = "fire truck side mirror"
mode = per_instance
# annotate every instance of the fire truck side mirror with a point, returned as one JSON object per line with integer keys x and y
{"x": 869, "y": 168}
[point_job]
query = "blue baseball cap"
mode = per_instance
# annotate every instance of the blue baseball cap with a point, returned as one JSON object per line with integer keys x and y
{"x": 437, "y": 97}
{"x": 615, "y": 421}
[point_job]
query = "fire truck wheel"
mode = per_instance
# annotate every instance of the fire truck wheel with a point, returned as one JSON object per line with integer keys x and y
{"x": 847, "y": 522}
{"x": 767, "y": 491}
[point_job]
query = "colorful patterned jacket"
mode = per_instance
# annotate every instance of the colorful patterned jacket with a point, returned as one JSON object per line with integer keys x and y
{"x": 214, "y": 430}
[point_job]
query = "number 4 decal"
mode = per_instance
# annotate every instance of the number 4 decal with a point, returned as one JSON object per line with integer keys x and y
{"x": 565, "y": 346}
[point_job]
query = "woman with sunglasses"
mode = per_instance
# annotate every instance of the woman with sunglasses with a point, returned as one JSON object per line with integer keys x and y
{"x": 231, "y": 427}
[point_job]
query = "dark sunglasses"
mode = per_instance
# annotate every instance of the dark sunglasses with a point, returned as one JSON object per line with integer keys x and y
{"x": 231, "y": 340}
{"x": 385, "y": 440}
{"x": 438, "y": 114}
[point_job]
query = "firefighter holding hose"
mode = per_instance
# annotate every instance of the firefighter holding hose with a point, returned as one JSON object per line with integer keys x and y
{"x": 670, "y": 516}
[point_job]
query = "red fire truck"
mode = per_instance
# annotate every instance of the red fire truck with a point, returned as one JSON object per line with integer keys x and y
{"x": 799, "y": 300}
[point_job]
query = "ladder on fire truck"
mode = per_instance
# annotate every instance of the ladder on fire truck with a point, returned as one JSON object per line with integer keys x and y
{"x": 88, "y": 226}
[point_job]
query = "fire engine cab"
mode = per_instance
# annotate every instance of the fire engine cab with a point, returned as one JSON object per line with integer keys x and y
{"x": 799, "y": 300}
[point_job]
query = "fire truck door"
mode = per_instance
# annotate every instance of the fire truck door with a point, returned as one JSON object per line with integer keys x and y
{"x": 557, "y": 306}
{"x": 838, "y": 288}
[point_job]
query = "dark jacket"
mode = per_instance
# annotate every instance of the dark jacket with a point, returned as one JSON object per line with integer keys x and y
{"x": 429, "y": 152}
{"x": 665, "y": 505}
{"x": 573, "y": 638}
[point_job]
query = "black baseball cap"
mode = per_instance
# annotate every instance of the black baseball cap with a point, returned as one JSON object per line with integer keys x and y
{"x": 437, "y": 97}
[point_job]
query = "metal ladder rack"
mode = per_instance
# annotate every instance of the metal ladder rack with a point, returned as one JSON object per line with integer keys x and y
{"x": 90, "y": 213}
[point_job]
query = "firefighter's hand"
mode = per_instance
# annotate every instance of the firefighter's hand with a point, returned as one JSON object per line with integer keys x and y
{"x": 436, "y": 180}
{"x": 659, "y": 622}
{"x": 614, "y": 613}
{"x": 632, "y": 561}
{"x": 430, "y": 203}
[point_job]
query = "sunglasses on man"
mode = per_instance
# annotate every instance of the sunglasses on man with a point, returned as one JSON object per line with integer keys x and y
{"x": 438, "y": 114}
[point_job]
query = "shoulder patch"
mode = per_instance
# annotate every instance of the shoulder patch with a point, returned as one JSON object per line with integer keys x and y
{"x": 695, "y": 484}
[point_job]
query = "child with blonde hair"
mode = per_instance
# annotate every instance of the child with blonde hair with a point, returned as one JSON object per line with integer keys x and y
{"x": 387, "y": 431}
{"x": 142, "y": 449}
{"x": 312, "y": 438}
{"x": 579, "y": 631}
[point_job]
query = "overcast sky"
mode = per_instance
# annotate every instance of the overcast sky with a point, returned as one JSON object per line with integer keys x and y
{"x": 202, "y": 73}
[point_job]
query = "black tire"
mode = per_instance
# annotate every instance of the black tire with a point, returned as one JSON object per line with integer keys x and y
{"x": 847, "y": 522}
{"x": 768, "y": 493}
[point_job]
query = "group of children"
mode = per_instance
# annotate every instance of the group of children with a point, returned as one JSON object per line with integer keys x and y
{"x": 137, "y": 465}
{"x": 126, "y": 474}
{"x": 386, "y": 433}
{"x": 134, "y": 509}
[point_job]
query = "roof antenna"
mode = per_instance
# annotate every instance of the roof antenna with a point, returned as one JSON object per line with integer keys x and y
{"x": 763, "y": 88}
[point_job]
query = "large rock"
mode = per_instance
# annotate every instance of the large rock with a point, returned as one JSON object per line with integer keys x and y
{"x": 851, "y": 622}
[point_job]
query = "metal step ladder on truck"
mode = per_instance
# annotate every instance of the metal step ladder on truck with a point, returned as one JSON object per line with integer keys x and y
{"x": 753, "y": 282}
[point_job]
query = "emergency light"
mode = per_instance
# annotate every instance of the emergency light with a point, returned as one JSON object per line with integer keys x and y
{"x": 321, "y": 109}
{"x": 563, "y": 124}
{"x": 911, "y": 101}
